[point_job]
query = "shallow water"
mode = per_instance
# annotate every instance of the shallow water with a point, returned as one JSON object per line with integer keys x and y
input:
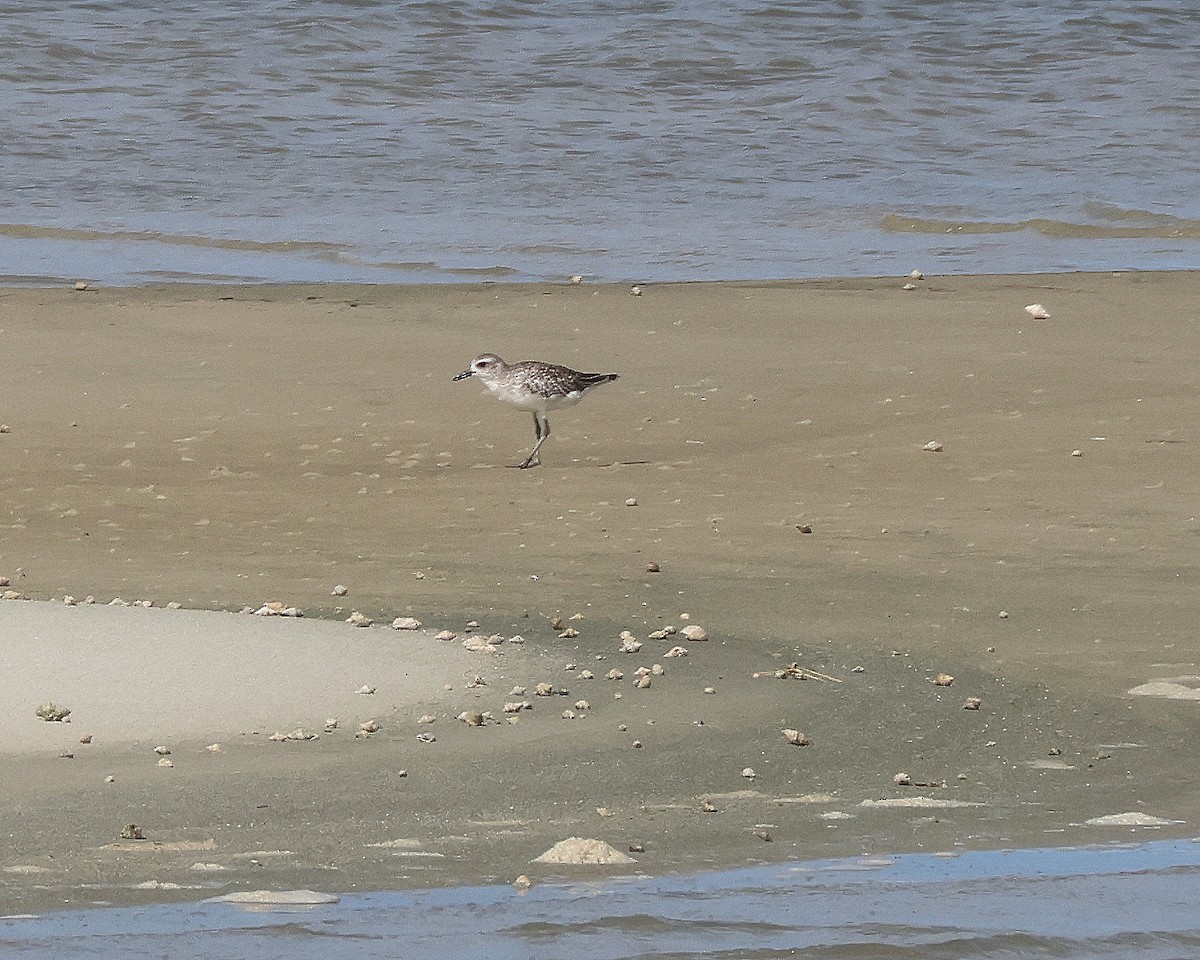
{"x": 509, "y": 139}
{"x": 1110, "y": 902}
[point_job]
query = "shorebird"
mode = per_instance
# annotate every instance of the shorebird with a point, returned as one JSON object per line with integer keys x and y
{"x": 536, "y": 386}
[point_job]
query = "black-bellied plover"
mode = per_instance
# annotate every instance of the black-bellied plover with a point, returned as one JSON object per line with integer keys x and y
{"x": 536, "y": 386}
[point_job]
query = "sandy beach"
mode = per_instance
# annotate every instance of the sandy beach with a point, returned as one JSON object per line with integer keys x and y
{"x": 858, "y": 491}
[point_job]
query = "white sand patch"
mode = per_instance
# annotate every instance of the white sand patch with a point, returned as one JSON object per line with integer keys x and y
{"x": 926, "y": 802}
{"x": 1129, "y": 820}
{"x": 290, "y": 898}
{"x": 1169, "y": 688}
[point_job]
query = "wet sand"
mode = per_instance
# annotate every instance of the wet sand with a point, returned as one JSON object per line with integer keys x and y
{"x": 219, "y": 448}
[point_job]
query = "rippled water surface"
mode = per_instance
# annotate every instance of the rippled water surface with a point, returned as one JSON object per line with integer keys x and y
{"x": 652, "y": 140}
{"x": 1111, "y": 902}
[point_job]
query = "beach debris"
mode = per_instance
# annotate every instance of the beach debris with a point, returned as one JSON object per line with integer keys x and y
{"x": 707, "y": 806}
{"x": 368, "y": 727}
{"x": 445, "y": 635}
{"x": 909, "y": 286}
{"x": 748, "y": 773}
{"x": 340, "y": 590}
{"x": 635, "y": 290}
{"x": 5, "y": 582}
{"x": 763, "y": 835}
{"x": 643, "y": 683}
{"x": 793, "y": 671}
{"x": 972, "y": 703}
{"x": 614, "y": 674}
{"x": 585, "y": 675}
{"x": 132, "y": 831}
{"x": 546, "y": 690}
{"x": 604, "y": 812}
{"x": 916, "y": 275}
{"x": 694, "y": 632}
{"x": 162, "y": 751}
{"x": 81, "y": 285}
{"x": 668, "y": 631}
{"x": 576, "y": 850}
{"x": 272, "y": 608}
{"x": 558, "y": 623}
{"x": 637, "y": 744}
{"x": 52, "y": 712}
{"x": 1037, "y": 311}
{"x": 66, "y": 755}
{"x": 516, "y": 706}
{"x": 427, "y": 718}
{"x": 804, "y": 527}
{"x": 577, "y": 279}
{"x": 406, "y": 623}
{"x": 653, "y": 567}
{"x": 331, "y": 724}
{"x": 904, "y": 780}
{"x": 933, "y": 447}
{"x": 710, "y": 690}
{"x": 523, "y": 883}
{"x": 943, "y": 680}
{"x": 473, "y": 718}
{"x": 365, "y": 690}
{"x": 357, "y": 619}
{"x": 569, "y": 634}
{"x": 5, "y": 428}
{"x": 631, "y": 502}
{"x": 478, "y": 644}
{"x": 110, "y": 779}
{"x": 676, "y": 652}
{"x": 582, "y": 705}
{"x": 426, "y": 738}
{"x": 299, "y": 734}
{"x": 11, "y": 595}
{"x": 165, "y": 762}
{"x": 215, "y": 748}
{"x": 86, "y": 739}
{"x": 796, "y": 738}
{"x": 569, "y": 714}
{"x": 516, "y": 638}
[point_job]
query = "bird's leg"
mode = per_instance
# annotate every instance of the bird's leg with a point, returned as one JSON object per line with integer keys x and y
{"x": 541, "y": 427}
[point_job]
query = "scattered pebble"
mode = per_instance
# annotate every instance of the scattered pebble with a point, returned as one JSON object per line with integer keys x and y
{"x": 569, "y": 634}
{"x": 796, "y": 738}
{"x": 365, "y": 690}
{"x": 446, "y": 635}
{"x": 710, "y": 690}
{"x": 614, "y": 674}
{"x": 902, "y": 780}
{"x": 643, "y": 683}
{"x": 1077, "y": 453}
{"x": 694, "y": 632}
{"x": 357, "y": 619}
{"x": 804, "y": 528}
{"x": 635, "y": 290}
{"x": 1037, "y": 311}
{"x": 676, "y": 652}
{"x": 933, "y": 447}
{"x": 943, "y": 680}
{"x": 369, "y": 726}
{"x": 162, "y": 751}
{"x": 406, "y": 623}
{"x": 653, "y": 567}
{"x": 707, "y": 806}
{"x": 631, "y": 502}
{"x": 164, "y": 762}
{"x": 749, "y": 773}
{"x": 132, "y": 832}
{"x": 972, "y": 703}
{"x": 340, "y": 590}
{"x": 215, "y": 748}
{"x": 909, "y": 286}
{"x": 916, "y": 275}
{"x": 523, "y": 882}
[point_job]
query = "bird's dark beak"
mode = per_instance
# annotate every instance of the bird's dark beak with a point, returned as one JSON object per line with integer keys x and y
{"x": 464, "y": 375}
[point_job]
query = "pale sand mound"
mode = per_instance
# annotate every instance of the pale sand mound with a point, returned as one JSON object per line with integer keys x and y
{"x": 578, "y": 851}
{"x": 1129, "y": 820}
{"x": 1169, "y": 688}
{"x": 291, "y": 898}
